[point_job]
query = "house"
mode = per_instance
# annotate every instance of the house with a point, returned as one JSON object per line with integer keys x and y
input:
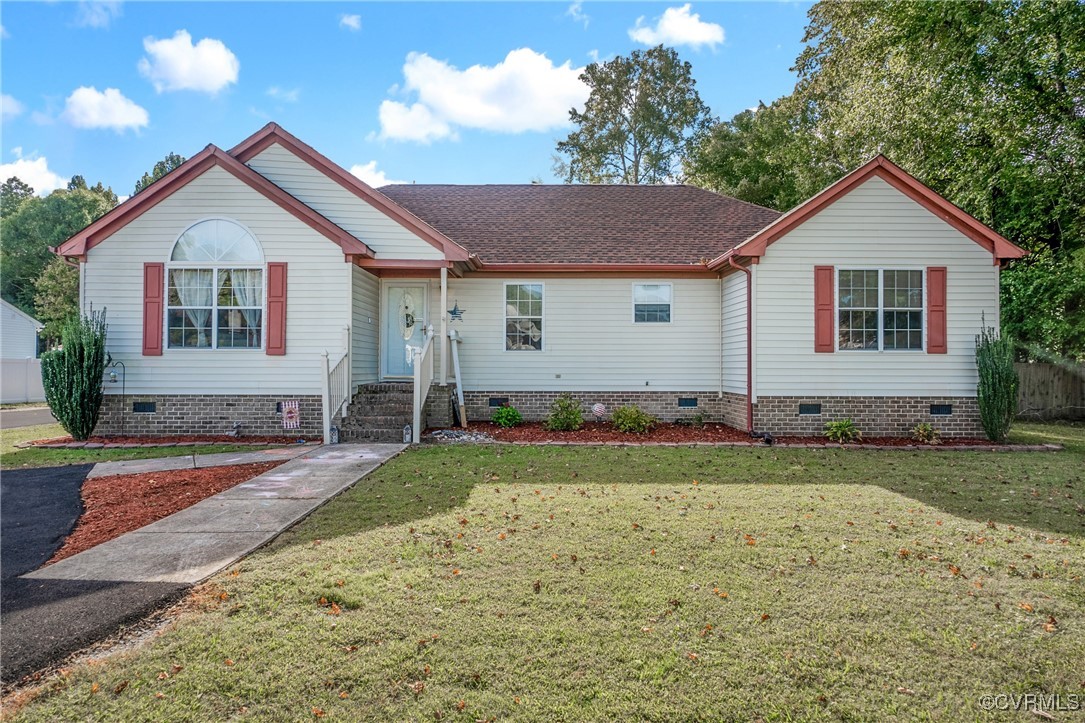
{"x": 20, "y": 369}
{"x": 267, "y": 274}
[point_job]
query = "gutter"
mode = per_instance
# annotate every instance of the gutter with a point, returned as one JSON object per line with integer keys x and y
{"x": 749, "y": 341}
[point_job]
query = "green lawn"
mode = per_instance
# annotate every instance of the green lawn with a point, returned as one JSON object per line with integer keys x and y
{"x": 553, "y": 583}
{"x": 12, "y": 457}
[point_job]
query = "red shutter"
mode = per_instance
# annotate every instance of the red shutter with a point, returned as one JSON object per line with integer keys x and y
{"x": 824, "y": 327}
{"x": 276, "y": 309}
{"x": 153, "y": 300}
{"x": 936, "y": 310}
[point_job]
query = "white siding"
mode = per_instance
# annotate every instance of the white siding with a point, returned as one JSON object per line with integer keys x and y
{"x": 386, "y": 237}
{"x": 318, "y": 295}
{"x": 18, "y": 334}
{"x": 590, "y": 340}
{"x": 366, "y": 327}
{"x": 734, "y": 333}
{"x": 872, "y": 226}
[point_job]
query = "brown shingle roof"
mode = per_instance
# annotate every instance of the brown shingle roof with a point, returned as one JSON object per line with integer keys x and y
{"x": 580, "y": 224}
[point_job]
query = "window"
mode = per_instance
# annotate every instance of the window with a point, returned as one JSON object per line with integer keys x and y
{"x": 523, "y": 317}
{"x": 880, "y": 309}
{"x": 215, "y": 288}
{"x": 651, "y": 303}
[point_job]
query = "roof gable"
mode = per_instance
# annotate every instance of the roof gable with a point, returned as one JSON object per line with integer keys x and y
{"x": 19, "y": 312}
{"x": 878, "y": 167}
{"x": 272, "y": 134}
{"x": 193, "y": 168}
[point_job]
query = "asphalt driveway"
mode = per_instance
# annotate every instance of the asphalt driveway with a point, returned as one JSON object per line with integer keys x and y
{"x": 45, "y": 620}
{"x": 25, "y": 417}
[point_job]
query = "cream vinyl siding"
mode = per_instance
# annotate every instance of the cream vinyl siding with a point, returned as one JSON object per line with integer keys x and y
{"x": 873, "y": 226}
{"x": 365, "y": 291}
{"x": 589, "y": 336}
{"x": 386, "y": 237}
{"x": 318, "y": 295}
{"x": 18, "y": 334}
{"x": 734, "y": 333}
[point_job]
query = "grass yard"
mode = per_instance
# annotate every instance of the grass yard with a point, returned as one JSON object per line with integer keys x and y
{"x": 466, "y": 583}
{"x": 14, "y": 458}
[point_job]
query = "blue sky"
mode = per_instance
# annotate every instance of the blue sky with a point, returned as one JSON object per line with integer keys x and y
{"x": 423, "y": 92}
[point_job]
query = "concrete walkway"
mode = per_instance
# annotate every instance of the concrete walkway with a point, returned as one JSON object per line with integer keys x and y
{"x": 192, "y": 461}
{"x": 197, "y": 542}
{"x": 57, "y": 610}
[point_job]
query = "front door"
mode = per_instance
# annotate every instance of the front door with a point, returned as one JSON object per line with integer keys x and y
{"x": 404, "y": 320}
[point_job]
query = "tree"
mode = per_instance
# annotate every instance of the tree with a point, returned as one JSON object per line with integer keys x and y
{"x": 38, "y": 224}
{"x": 56, "y": 298}
{"x": 167, "y": 164}
{"x": 642, "y": 117}
{"x": 12, "y": 195}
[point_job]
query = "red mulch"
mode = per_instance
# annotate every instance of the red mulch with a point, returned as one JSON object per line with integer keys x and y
{"x": 894, "y": 441}
{"x": 115, "y": 505}
{"x": 605, "y": 432}
{"x": 199, "y": 438}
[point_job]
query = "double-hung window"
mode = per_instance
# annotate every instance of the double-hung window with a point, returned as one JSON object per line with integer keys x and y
{"x": 652, "y": 303}
{"x": 523, "y": 317}
{"x": 880, "y": 309}
{"x": 215, "y": 288}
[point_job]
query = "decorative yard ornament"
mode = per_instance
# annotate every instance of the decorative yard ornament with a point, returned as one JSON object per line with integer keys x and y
{"x": 406, "y": 315}
{"x": 456, "y": 313}
{"x": 599, "y": 410}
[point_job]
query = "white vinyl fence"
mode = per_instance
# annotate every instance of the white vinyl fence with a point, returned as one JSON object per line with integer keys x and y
{"x": 20, "y": 381}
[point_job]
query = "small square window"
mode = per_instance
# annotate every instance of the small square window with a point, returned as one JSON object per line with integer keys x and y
{"x": 809, "y": 409}
{"x": 941, "y": 410}
{"x": 498, "y": 401}
{"x": 651, "y": 303}
{"x": 687, "y": 402}
{"x": 144, "y": 407}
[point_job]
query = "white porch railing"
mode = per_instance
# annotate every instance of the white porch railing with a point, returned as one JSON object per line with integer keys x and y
{"x": 422, "y": 358}
{"x": 336, "y": 392}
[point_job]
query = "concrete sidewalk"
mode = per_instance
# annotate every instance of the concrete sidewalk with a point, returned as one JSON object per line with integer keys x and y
{"x": 192, "y": 461}
{"x": 197, "y": 542}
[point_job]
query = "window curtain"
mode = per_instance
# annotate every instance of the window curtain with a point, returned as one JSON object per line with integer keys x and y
{"x": 195, "y": 289}
{"x": 249, "y": 292}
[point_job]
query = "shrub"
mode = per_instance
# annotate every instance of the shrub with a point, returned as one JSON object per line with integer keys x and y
{"x": 72, "y": 375}
{"x": 997, "y": 390}
{"x": 565, "y": 415}
{"x": 925, "y": 433}
{"x": 507, "y": 416}
{"x": 842, "y": 430}
{"x": 632, "y": 420}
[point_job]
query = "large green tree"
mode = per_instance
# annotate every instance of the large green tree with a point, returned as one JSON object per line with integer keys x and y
{"x": 56, "y": 297}
{"x": 167, "y": 164}
{"x": 642, "y": 118}
{"x": 12, "y": 195}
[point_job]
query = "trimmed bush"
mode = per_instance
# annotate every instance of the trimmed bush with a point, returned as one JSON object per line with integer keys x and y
{"x": 507, "y": 416}
{"x": 632, "y": 420}
{"x": 72, "y": 375}
{"x": 842, "y": 431}
{"x": 565, "y": 415}
{"x": 997, "y": 390}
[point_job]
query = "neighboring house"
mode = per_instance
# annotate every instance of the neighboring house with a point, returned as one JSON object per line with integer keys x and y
{"x": 228, "y": 280}
{"x": 20, "y": 369}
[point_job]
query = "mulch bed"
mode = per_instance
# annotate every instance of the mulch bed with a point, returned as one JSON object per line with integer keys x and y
{"x": 603, "y": 432}
{"x": 174, "y": 440}
{"x": 115, "y": 505}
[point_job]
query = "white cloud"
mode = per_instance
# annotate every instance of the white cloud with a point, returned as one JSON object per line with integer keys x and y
{"x": 4, "y": 34}
{"x": 369, "y": 174}
{"x": 524, "y": 92}
{"x": 351, "y": 22}
{"x": 32, "y": 171}
{"x": 284, "y": 95}
{"x": 87, "y": 107}
{"x": 177, "y": 64}
{"x": 97, "y": 13}
{"x": 9, "y": 107}
{"x": 678, "y": 26}
{"x": 576, "y": 12}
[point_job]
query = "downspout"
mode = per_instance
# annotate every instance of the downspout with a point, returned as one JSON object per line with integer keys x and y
{"x": 749, "y": 341}
{"x": 719, "y": 277}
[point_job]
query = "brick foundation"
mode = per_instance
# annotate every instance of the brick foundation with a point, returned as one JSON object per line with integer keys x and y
{"x": 874, "y": 416}
{"x": 731, "y": 409}
{"x": 206, "y": 414}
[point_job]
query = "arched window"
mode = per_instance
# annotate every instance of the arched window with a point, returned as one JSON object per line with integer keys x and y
{"x": 216, "y": 288}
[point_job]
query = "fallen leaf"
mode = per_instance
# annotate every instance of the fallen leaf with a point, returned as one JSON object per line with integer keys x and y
{"x": 319, "y": 713}
{"x": 343, "y": 694}
{"x": 764, "y": 617}
{"x": 460, "y": 705}
{"x": 120, "y": 687}
{"x": 229, "y": 662}
{"x": 905, "y": 691}
{"x": 1025, "y": 606}
{"x": 94, "y": 688}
